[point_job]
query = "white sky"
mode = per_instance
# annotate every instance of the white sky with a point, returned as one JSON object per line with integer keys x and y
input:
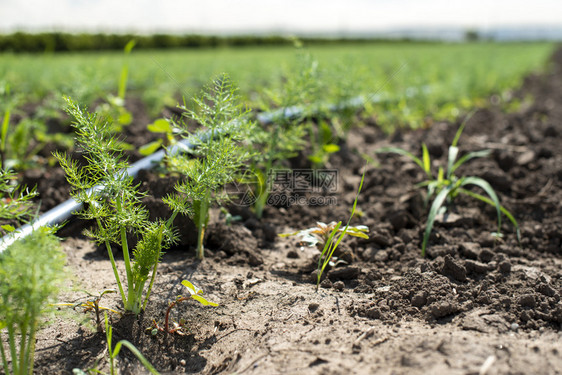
{"x": 268, "y": 15}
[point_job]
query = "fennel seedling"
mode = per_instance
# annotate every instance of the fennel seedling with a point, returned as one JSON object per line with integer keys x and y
{"x": 114, "y": 203}
{"x": 216, "y": 160}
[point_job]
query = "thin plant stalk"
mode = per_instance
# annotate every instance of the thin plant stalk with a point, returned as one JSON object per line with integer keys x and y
{"x": 330, "y": 247}
{"x": 154, "y": 271}
{"x": 114, "y": 351}
{"x": 113, "y": 265}
{"x": 3, "y": 136}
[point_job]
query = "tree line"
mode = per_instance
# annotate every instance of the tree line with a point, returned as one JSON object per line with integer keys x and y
{"x": 68, "y": 42}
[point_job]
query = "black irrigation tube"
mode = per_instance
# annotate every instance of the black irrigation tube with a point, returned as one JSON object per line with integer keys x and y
{"x": 65, "y": 210}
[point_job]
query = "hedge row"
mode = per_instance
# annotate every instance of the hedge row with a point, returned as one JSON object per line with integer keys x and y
{"x": 66, "y": 42}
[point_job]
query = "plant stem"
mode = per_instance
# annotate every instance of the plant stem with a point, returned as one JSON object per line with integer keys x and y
{"x": 31, "y": 346}
{"x": 170, "y": 221}
{"x": 155, "y": 269}
{"x": 4, "y": 358}
{"x": 3, "y": 136}
{"x": 200, "y": 237}
{"x": 131, "y": 302}
{"x": 114, "y": 266}
{"x": 13, "y": 352}
{"x": 202, "y": 225}
{"x": 22, "y": 358}
{"x": 167, "y": 320}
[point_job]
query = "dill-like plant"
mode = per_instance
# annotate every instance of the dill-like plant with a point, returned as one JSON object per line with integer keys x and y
{"x": 285, "y": 136}
{"x": 114, "y": 203}
{"x": 15, "y": 201}
{"x": 31, "y": 275}
{"x": 218, "y": 155}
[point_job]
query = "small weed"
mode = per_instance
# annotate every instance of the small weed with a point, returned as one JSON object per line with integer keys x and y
{"x": 446, "y": 187}
{"x": 320, "y": 234}
{"x": 160, "y": 126}
{"x": 93, "y": 304}
{"x": 336, "y": 235}
{"x": 114, "y": 351}
{"x": 179, "y": 327}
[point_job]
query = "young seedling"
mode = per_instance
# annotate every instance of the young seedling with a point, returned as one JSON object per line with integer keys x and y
{"x": 336, "y": 235}
{"x": 447, "y": 186}
{"x": 114, "y": 351}
{"x": 32, "y": 273}
{"x": 113, "y": 202}
{"x": 115, "y": 109}
{"x": 195, "y": 294}
{"x": 284, "y": 136}
{"x": 15, "y": 201}
{"x": 322, "y": 142}
{"x": 93, "y": 304}
{"x": 320, "y": 234}
{"x": 217, "y": 157}
{"x": 160, "y": 126}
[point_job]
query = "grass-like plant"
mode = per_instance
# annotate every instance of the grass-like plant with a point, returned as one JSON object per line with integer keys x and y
{"x": 114, "y": 351}
{"x": 333, "y": 235}
{"x": 447, "y": 186}
{"x": 31, "y": 275}
{"x": 115, "y": 109}
{"x": 113, "y": 202}
{"x": 320, "y": 234}
{"x": 9, "y": 102}
{"x": 217, "y": 157}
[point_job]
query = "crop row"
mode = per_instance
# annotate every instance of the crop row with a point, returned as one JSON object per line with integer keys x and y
{"x": 227, "y": 145}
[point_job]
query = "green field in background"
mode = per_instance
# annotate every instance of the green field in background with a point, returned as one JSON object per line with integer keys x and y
{"x": 421, "y": 78}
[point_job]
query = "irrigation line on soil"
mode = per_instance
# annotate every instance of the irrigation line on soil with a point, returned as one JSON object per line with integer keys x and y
{"x": 65, "y": 210}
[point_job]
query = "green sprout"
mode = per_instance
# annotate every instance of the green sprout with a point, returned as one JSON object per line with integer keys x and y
{"x": 160, "y": 126}
{"x": 446, "y": 187}
{"x": 114, "y": 351}
{"x": 322, "y": 142}
{"x": 93, "y": 304}
{"x": 31, "y": 273}
{"x": 15, "y": 201}
{"x": 217, "y": 157}
{"x": 9, "y": 103}
{"x": 336, "y": 235}
{"x": 114, "y": 203}
{"x": 178, "y": 327}
{"x": 115, "y": 109}
{"x": 320, "y": 234}
{"x": 284, "y": 136}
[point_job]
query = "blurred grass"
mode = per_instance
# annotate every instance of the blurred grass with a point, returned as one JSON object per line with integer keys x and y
{"x": 440, "y": 78}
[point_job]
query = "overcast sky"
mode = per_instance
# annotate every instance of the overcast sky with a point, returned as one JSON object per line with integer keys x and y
{"x": 267, "y": 15}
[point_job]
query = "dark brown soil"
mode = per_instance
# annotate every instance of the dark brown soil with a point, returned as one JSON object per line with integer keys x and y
{"x": 472, "y": 306}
